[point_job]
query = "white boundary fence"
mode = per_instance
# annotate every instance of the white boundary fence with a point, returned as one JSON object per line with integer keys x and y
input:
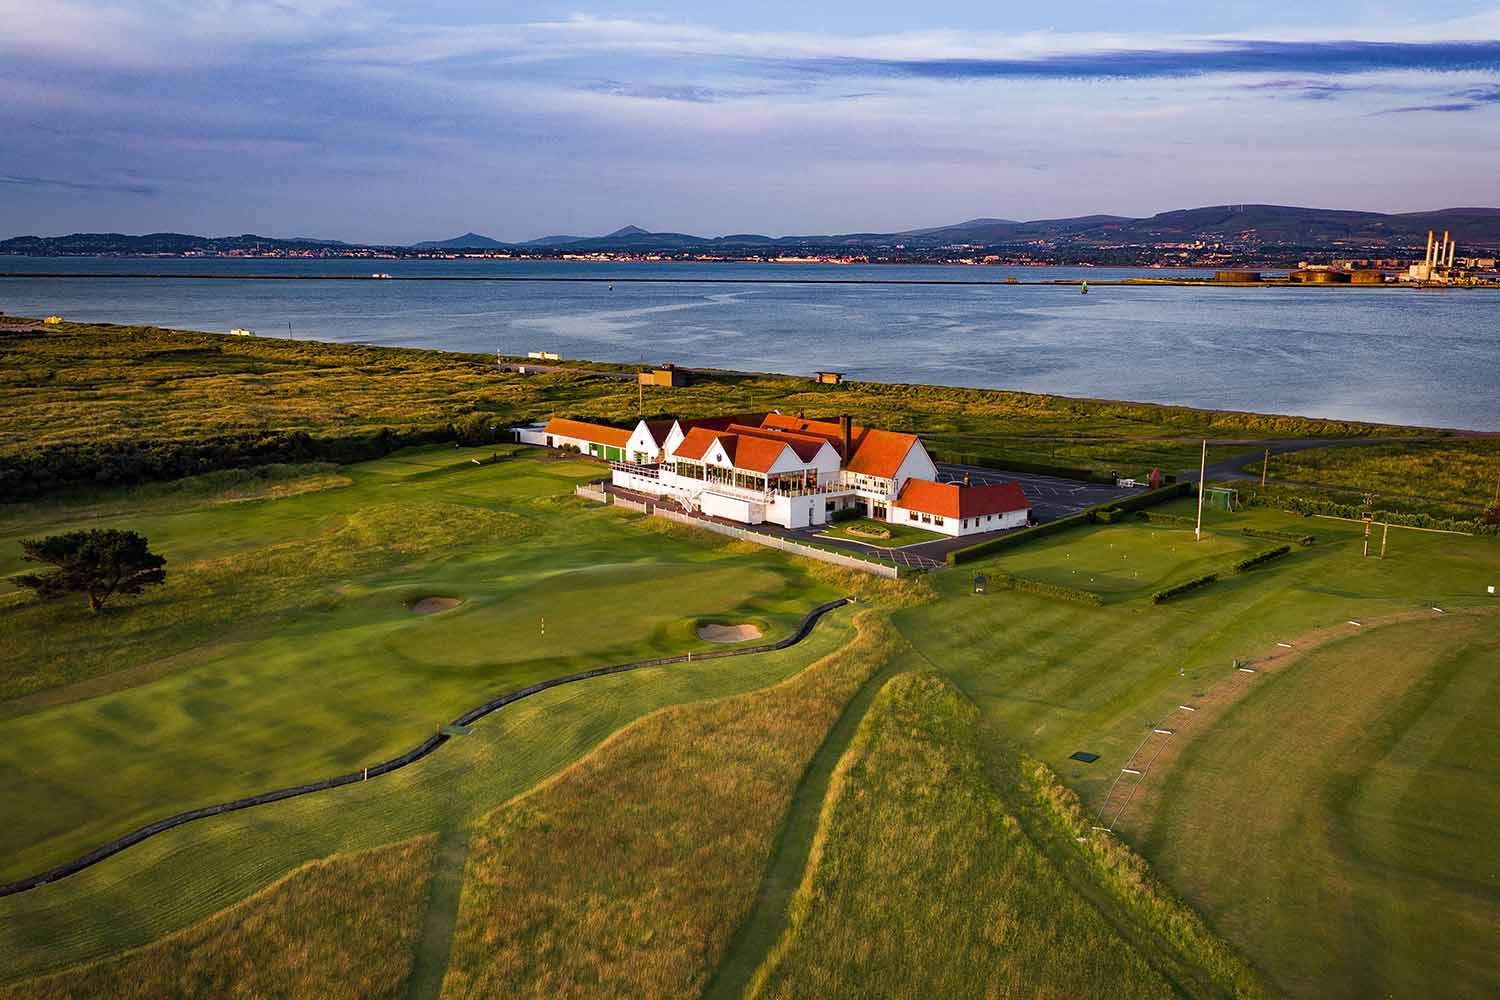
{"x": 629, "y": 504}
{"x": 777, "y": 542}
{"x": 591, "y": 491}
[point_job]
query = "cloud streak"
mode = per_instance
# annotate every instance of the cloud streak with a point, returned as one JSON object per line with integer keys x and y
{"x": 119, "y": 187}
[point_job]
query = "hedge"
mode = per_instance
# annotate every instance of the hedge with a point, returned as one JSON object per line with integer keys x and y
{"x": 1055, "y": 590}
{"x": 1280, "y": 536}
{"x": 1161, "y": 596}
{"x": 1178, "y": 519}
{"x": 1098, "y": 513}
{"x": 1261, "y": 558}
{"x": 1016, "y": 538}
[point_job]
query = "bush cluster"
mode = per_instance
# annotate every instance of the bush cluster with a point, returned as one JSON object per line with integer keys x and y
{"x": 1250, "y": 562}
{"x": 1280, "y": 536}
{"x": 1162, "y": 596}
{"x": 1181, "y": 520}
{"x": 1054, "y": 590}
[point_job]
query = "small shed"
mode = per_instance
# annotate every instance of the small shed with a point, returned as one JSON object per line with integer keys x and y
{"x": 669, "y": 375}
{"x": 830, "y": 378}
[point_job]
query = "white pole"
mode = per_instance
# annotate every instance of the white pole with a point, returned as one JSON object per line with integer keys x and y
{"x": 1202, "y": 471}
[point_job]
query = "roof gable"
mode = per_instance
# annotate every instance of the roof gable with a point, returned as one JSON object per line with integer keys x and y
{"x": 952, "y": 500}
{"x": 874, "y": 452}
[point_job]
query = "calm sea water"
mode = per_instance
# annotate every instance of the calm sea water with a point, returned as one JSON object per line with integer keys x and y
{"x": 1430, "y": 358}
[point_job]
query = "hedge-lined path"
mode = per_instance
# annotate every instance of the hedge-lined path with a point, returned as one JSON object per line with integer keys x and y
{"x": 424, "y": 749}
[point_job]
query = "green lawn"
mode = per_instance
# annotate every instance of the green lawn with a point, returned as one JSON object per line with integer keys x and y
{"x": 284, "y": 649}
{"x": 1125, "y": 561}
{"x": 900, "y": 534}
{"x": 1353, "y": 798}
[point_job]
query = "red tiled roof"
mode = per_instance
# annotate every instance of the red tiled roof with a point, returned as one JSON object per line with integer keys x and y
{"x": 720, "y": 423}
{"x": 875, "y": 452}
{"x": 952, "y": 500}
{"x": 596, "y": 433}
{"x": 752, "y": 452}
{"x": 806, "y": 446}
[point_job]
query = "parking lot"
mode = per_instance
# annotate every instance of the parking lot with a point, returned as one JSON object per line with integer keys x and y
{"x": 1051, "y": 498}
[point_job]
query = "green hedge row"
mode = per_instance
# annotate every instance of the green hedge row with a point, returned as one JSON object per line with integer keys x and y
{"x": 1016, "y": 538}
{"x": 1162, "y": 596}
{"x": 1279, "y": 536}
{"x": 1042, "y": 589}
{"x": 1181, "y": 520}
{"x": 1105, "y": 512}
{"x": 1261, "y": 558}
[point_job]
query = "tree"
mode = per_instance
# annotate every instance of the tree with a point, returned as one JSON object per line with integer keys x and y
{"x": 99, "y": 562}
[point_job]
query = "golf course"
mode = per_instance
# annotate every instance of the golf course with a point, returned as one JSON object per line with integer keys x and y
{"x": 1083, "y": 781}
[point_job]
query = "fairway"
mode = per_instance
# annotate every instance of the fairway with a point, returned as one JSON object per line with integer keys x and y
{"x": 202, "y": 696}
{"x": 1357, "y": 786}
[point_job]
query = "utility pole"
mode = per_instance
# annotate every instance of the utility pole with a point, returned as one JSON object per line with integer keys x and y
{"x": 1202, "y": 472}
{"x": 289, "y": 331}
{"x": 1384, "y": 534}
{"x": 1369, "y": 519}
{"x": 1264, "y": 462}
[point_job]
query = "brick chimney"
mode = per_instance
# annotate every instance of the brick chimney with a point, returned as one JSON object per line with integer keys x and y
{"x": 846, "y": 427}
{"x": 966, "y": 479}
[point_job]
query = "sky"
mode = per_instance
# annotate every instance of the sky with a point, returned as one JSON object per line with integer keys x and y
{"x": 394, "y": 122}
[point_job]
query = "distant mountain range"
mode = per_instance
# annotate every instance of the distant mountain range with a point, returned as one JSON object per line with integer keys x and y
{"x": 1246, "y": 226}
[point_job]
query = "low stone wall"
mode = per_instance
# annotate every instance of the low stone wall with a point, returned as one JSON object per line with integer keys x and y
{"x": 786, "y": 545}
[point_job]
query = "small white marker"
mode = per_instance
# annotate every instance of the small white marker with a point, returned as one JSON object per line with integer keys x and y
{"x": 1187, "y": 708}
{"x": 1284, "y": 645}
{"x": 1438, "y": 610}
{"x": 1164, "y": 732}
{"x": 1353, "y": 622}
{"x": 1130, "y": 770}
{"x": 1247, "y": 670}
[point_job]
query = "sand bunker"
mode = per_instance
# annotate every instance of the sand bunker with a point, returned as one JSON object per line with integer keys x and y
{"x": 728, "y": 633}
{"x": 432, "y": 605}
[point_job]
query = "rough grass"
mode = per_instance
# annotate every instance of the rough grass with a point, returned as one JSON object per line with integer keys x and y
{"x": 88, "y": 383}
{"x": 1465, "y": 471}
{"x": 627, "y": 874}
{"x": 342, "y": 927}
{"x": 899, "y": 534}
{"x": 924, "y": 883}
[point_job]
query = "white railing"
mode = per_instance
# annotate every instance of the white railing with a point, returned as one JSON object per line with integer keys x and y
{"x": 644, "y": 471}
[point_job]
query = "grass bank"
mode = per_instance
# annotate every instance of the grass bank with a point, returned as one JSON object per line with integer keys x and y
{"x": 344, "y": 927}
{"x": 627, "y": 874}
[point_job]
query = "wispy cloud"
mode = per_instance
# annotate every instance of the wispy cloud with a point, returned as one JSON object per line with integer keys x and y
{"x": 123, "y": 187}
{"x": 1452, "y": 107}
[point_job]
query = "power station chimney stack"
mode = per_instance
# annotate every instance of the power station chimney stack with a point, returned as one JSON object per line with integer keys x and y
{"x": 1452, "y": 249}
{"x": 1428, "y": 259}
{"x": 1443, "y": 257}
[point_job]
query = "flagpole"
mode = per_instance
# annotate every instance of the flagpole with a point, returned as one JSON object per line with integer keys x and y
{"x": 1202, "y": 472}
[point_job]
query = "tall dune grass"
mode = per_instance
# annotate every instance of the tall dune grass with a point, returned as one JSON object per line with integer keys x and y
{"x": 626, "y": 875}
{"x": 345, "y": 927}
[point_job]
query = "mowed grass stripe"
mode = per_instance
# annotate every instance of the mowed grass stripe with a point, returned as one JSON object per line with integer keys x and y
{"x": 344, "y": 927}
{"x": 627, "y": 874}
{"x": 1352, "y": 790}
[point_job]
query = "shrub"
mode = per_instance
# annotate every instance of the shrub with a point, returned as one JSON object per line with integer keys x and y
{"x": 1162, "y": 596}
{"x": 847, "y": 514}
{"x": 1261, "y": 558}
{"x": 1280, "y": 536}
{"x": 1181, "y": 520}
{"x": 1053, "y": 590}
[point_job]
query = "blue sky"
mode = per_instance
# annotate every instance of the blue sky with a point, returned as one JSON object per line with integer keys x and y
{"x": 379, "y": 121}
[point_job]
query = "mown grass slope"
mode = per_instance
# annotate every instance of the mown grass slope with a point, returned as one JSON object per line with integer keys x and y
{"x": 343, "y": 927}
{"x": 627, "y": 874}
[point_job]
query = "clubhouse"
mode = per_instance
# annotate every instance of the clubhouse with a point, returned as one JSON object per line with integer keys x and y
{"x": 789, "y": 471}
